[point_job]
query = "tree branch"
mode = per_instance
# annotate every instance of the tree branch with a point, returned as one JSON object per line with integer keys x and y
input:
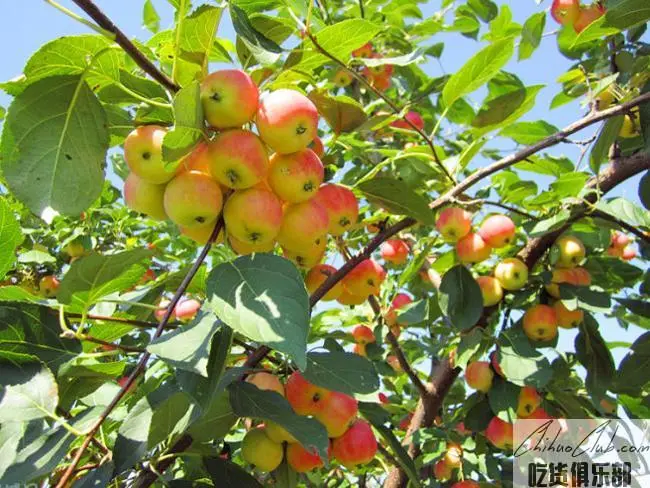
{"x": 599, "y": 214}
{"x": 140, "y": 59}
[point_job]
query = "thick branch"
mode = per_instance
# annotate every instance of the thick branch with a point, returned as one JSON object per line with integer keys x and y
{"x": 140, "y": 59}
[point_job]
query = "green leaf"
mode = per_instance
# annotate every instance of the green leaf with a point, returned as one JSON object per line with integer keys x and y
{"x": 34, "y": 330}
{"x": 552, "y": 223}
{"x": 526, "y": 105}
{"x": 413, "y": 313}
{"x": 197, "y": 37}
{"x": 285, "y": 476}
{"x": 628, "y": 13}
{"x": 529, "y": 132}
{"x": 97, "y": 478}
{"x": 470, "y": 344}
{"x": 401, "y": 455}
{"x": 499, "y": 109}
{"x": 188, "y": 118}
{"x": 10, "y": 237}
{"x": 585, "y": 297}
{"x": 397, "y": 198}
{"x": 342, "y": 114}
{"x": 216, "y": 420}
{"x": 628, "y": 377}
{"x": 261, "y": 47}
{"x": 263, "y": 297}
{"x": 547, "y": 165}
{"x": 531, "y": 35}
{"x": 341, "y": 371}
{"x": 171, "y": 417}
{"x": 54, "y": 144}
{"x": 644, "y": 190}
{"x": 95, "y": 276}
{"x": 150, "y": 18}
{"x": 91, "y": 368}
{"x": 10, "y": 435}
{"x": 504, "y": 398}
{"x": 593, "y": 354}
{"x": 608, "y": 135}
{"x": 478, "y": 416}
{"x": 637, "y": 307}
{"x": 249, "y": 401}
{"x": 460, "y": 298}
{"x": 521, "y": 363}
{"x": 481, "y": 67}
{"x": 229, "y": 475}
{"x": 625, "y": 210}
{"x": 33, "y": 256}
{"x": 187, "y": 347}
{"x": 27, "y": 392}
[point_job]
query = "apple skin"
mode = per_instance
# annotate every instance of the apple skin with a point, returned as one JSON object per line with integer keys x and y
{"x": 75, "y": 249}
{"x": 395, "y": 251}
{"x": 567, "y": 319}
{"x": 201, "y": 233}
{"x": 442, "y": 471}
{"x": 266, "y": 381}
{"x": 587, "y": 16}
{"x": 495, "y": 364}
{"x": 472, "y": 249}
{"x": 571, "y": 252}
{"x": 414, "y": 117}
{"x": 341, "y": 205}
{"x": 357, "y": 446}
{"x": 258, "y": 449}
{"x": 186, "y": 309}
{"x": 466, "y": 484}
{"x": 629, "y": 253}
{"x": 453, "y": 456}
{"x": 365, "y": 278}
{"x": 317, "y": 146}
{"x": 490, "y": 289}
{"x": 277, "y": 433}
{"x": 301, "y": 460}
{"x": 287, "y": 120}
{"x": 192, "y": 199}
{"x": 365, "y": 51}
{"x": 342, "y": 78}
{"x": 229, "y": 98}
{"x": 308, "y": 257}
{"x": 244, "y": 248}
{"x": 338, "y": 412}
{"x": 296, "y": 177}
{"x": 347, "y": 298}
{"x": 253, "y": 216}
{"x": 381, "y": 83}
{"x": 565, "y": 12}
{"x": 575, "y": 276}
{"x": 630, "y": 128}
{"x": 512, "y": 273}
{"x": 143, "y": 153}
{"x": 48, "y": 286}
{"x": 360, "y": 349}
{"x": 479, "y": 376}
{"x": 302, "y": 225}
{"x": 317, "y": 275}
{"x": 401, "y": 300}
{"x": 499, "y": 433}
{"x": 454, "y": 223}
{"x": 498, "y": 230}
{"x": 304, "y": 397}
{"x": 539, "y": 414}
{"x": 529, "y": 400}
{"x": 620, "y": 240}
{"x": 363, "y": 334}
{"x": 144, "y": 197}
{"x": 394, "y": 363}
{"x": 540, "y": 323}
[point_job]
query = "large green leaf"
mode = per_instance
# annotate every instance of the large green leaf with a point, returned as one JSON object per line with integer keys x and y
{"x": 27, "y": 392}
{"x": 198, "y": 34}
{"x": 229, "y": 475}
{"x": 521, "y": 363}
{"x": 341, "y": 371}
{"x": 95, "y": 276}
{"x": 594, "y": 355}
{"x": 54, "y": 144}
{"x": 150, "y": 18}
{"x": 188, "y": 124}
{"x": 261, "y": 47}
{"x": 171, "y": 417}
{"x": 631, "y": 376}
{"x": 529, "y": 132}
{"x": 481, "y": 67}
{"x": 460, "y": 298}
{"x": 249, "y": 401}
{"x": 10, "y": 237}
{"x": 396, "y": 197}
{"x": 608, "y": 135}
{"x": 627, "y": 211}
{"x": 400, "y": 453}
{"x": 531, "y": 35}
{"x": 628, "y": 13}
{"x": 504, "y": 398}
{"x": 263, "y": 297}
{"x": 342, "y": 114}
{"x": 97, "y": 478}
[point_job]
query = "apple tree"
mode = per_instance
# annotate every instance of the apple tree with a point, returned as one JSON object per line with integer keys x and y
{"x": 261, "y": 246}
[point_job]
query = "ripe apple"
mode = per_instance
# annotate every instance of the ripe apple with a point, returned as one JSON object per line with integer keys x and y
{"x": 308, "y": 257}
{"x": 575, "y": 276}
{"x": 394, "y": 363}
{"x": 462, "y": 430}
{"x": 341, "y": 205}
{"x": 301, "y": 460}
{"x": 162, "y": 309}
{"x": 472, "y": 249}
{"x": 479, "y": 376}
{"x": 192, "y": 199}
{"x": 360, "y": 349}
{"x": 229, "y": 98}
{"x": 629, "y": 253}
{"x": 365, "y": 51}
{"x": 143, "y": 153}
{"x": 253, "y": 216}
{"x": 454, "y": 223}
{"x": 442, "y": 471}
{"x": 144, "y": 197}
{"x": 317, "y": 146}
{"x": 615, "y": 252}
{"x": 497, "y": 230}
{"x": 302, "y": 225}
{"x": 186, "y": 309}
{"x": 259, "y": 450}
{"x": 244, "y": 248}
{"x": 466, "y": 484}
{"x": 571, "y": 252}
{"x": 495, "y": 364}
{"x": 287, "y": 120}
{"x": 587, "y": 16}
{"x": 453, "y": 456}
{"x": 394, "y": 251}
{"x": 201, "y": 233}
{"x": 565, "y": 12}
{"x": 540, "y": 323}
{"x": 317, "y": 276}
{"x": 365, "y": 278}
{"x": 337, "y": 413}
{"x": 499, "y": 433}
{"x": 512, "y": 273}
{"x": 528, "y": 401}
{"x": 567, "y": 319}
{"x": 620, "y": 240}
{"x": 381, "y": 83}
{"x": 357, "y": 446}
{"x": 342, "y": 78}
{"x": 48, "y": 286}
{"x": 363, "y": 334}
{"x": 400, "y": 301}
{"x": 266, "y": 381}
{"x": 304, "y": 397}
{"x": 347, "y": 298}
{"x": 277, "y": 433}
{"x": 414, "y": 117}
{"x": 539, "y": 414}
{"x": 296, "y": 177}
{"x": 490, "y": 289}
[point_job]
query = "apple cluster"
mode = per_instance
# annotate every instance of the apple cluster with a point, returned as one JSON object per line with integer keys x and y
{"x": 378, "y": 76}
{"x": 573, "y": 13}
{"x": 352, "y": 441}
{"x": 269, "y": 184}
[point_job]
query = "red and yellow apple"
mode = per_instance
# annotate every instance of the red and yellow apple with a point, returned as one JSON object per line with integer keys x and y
{"x": 229, "y": 98}
{"x": 512, "y": 273}
{"x": 192, "y": 199}
{"x": 571, "y": 252}
{"x": 567, "y": 319}
{"x": 472, "y": 249}
{"x": 253, "y": 216}
{"x": 144, "y": 197}
{"x": 365, "y": 278}
{"x": 357, "y": 446}
{"x": 302, "y": 225}
{"x": 301, "y": 460}
{"x": 341, "y": 205}
{"x": 499, "y": 433}
{"x": 497, "y": 230}
{"x": 479, "y": 375}
{"x": 259, "y": 450}
{"x": 143, "y": 153}
{"x": 363, "y": 334}
{"x": 296, "y": 177}
{"x": 317, "y": 276}
{"x": 394, "y": 251}
{"x": 237, "y": 159}
{"x": 528, "y": 401}
{"x": 491, "y": 290}
{"x": 540, "y": 323}
{"x": 454, "y": 223}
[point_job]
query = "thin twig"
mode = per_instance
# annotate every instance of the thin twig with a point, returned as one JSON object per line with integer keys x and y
{"x": 481, "y": 201}
{"x": 362, "y": 11}
{"x": 599, "y": 214}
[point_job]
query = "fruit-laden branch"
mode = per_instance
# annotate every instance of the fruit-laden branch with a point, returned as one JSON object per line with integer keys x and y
{"x": 142, "y": 363}
{"x": 445, "y": 374}
{"x": 644, "y": 236}
{"x": 125, "y": 43}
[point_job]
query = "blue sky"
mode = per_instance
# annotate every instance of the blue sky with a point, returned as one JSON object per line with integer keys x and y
{"x": 26, "y": 25}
